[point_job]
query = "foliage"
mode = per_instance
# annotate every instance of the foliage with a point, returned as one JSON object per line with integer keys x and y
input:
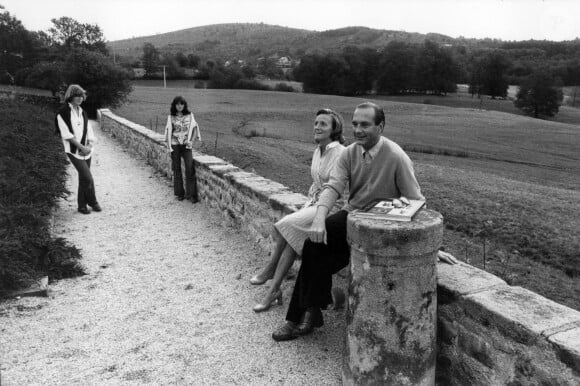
{"x": 489, "y": 75}
{"x": 17, "y": 45}
{"x": 538, "y": 95}
{"x": 32, "y": 178}
{"x": 224, "y": 77}
{"x": 436, "y": 70}
{"x": 283, "y": 87}
{"x": 250, "y": 84}
{"x": 106, "y": 83}
{"x": 397, "y": 68}
{"x": 68, "y": 33}
{"x": 48, "y": 76}
{"x": 173, "y": 70}
{"x": 268, "y": 68}
{"x": 193, "y": 60}
{"x": 150, "y": 59}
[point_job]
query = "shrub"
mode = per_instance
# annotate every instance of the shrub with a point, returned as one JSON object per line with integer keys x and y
{"x": 32, "y": 178}
{"x": 106, "y": 83}
{"x": 250, "y": 84}
{"x": 283, "y": 87}
{"x": 538, "y": 95}
{"x": 47, "y": 76}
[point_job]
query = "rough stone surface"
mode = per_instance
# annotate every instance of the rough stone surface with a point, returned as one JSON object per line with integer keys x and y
{"x": 568, "y": 347}
{"x": 391, "y": 314}
{"x": 520, "y": 312}
{"x": 463, "y": 279}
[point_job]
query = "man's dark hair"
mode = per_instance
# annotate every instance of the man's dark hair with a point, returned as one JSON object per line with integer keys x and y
{"x": 379, "y": 112}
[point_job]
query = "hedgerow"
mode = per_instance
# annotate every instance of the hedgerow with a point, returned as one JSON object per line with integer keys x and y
{"x": 32, "y": 178}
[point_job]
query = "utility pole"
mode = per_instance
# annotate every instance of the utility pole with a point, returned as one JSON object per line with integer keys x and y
{"x": 164, "y": 81}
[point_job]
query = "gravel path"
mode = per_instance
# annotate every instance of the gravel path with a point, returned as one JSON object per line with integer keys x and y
{"x": 166, "y": 299}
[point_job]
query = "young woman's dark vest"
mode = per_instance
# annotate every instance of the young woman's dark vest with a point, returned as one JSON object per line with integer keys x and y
{"x": 65, "y": 113}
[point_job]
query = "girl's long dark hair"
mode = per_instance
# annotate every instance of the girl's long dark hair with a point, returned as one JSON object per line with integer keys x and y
{"x": 176, "y": 100}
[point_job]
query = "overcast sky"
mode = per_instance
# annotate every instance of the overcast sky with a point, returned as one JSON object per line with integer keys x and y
{"x": 502, "y": 19}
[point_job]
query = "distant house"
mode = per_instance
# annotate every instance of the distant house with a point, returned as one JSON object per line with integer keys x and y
{"x": 284, "y": 61}
{"x": 139, "y": 72}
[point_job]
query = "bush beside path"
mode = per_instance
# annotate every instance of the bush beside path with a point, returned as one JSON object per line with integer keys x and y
{"x": 166, "y": 299}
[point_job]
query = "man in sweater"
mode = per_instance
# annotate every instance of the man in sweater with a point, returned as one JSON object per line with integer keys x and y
{"x": 374, "y": 167}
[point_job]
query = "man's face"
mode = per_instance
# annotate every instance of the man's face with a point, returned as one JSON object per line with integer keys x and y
{"x": 366, "y": 133}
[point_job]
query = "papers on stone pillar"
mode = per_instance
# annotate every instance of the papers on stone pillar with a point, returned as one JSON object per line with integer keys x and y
{"x": 391, "y": 209}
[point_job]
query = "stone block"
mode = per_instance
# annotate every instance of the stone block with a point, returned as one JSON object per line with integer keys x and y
{"x": 208, "y": 160}
{"x": 462, "y": 279}
{"x": 567, "y": 345}
{"x": 287, "y": 202}
{"x": 519, "y": 313}
{"x": 221, "y": 169}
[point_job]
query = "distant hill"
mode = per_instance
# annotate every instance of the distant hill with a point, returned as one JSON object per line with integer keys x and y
{"x": 249, "y": 41}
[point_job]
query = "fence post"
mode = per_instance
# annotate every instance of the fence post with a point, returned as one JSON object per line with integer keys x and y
{"x": 392, "y": 301}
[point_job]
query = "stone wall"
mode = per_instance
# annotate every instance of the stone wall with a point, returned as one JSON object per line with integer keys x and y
{"x": 244, "y": 199}
{"x": 489, "y": 333}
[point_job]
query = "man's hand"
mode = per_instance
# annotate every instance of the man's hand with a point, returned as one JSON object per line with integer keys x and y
{"x": 446, "y": 258}
{"x": 317, "y": 232}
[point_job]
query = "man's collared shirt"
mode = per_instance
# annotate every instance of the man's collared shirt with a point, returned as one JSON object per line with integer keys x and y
{"x": 384, "y": 171}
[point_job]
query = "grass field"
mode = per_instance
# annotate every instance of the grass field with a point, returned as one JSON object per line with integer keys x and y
{"x": 474, "y": 166}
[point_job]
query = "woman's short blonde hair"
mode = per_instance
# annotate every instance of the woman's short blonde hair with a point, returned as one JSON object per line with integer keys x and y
{"x": 74, "y": 90}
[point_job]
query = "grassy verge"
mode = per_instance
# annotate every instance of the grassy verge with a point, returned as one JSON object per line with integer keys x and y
{"x": 32, "y": 178}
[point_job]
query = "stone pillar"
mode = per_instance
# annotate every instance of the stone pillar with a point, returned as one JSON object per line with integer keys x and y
{"x": 392, "y": 301}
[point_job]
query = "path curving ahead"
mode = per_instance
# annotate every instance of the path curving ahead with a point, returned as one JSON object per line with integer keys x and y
{"x": 166, "y": 299}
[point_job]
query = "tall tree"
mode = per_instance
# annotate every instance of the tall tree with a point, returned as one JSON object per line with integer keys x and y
{"x": 68, "y": 33}
{"x": 193, "y": 60}
{"x": 494, "y": 74}
{"x": 16, "y": 44}
{"x": 150, "y": 59}
{"x": 396, "y": 73}
{"x": 436, "y": 69}
{"x": 539, "y": 95}
{"x": 107, "y": 84}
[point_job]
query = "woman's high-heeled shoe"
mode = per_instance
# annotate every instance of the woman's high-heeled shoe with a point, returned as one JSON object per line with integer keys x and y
{"x": 256, "y": 280}
{"x": 275, "y": 299}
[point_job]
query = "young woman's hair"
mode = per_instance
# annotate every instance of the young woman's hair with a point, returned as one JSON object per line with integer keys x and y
{"x": 181, "y": 100}
{"x": 379, "y": 112}
{"x": 337, "y": 124}
{"x": 74, "y": 90}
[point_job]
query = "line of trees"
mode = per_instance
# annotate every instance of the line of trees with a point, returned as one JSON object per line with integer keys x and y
{"x": 430, "y": 68}
{"x": 69, "y": 52}
{"x": 400, "y": 68}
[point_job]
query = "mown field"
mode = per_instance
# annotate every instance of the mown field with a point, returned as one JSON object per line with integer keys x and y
{"x": 507, "y": 185}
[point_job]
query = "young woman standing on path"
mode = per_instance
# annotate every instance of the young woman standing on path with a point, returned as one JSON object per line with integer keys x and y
{"x": 78, "y": 139}
{"x": 180, "y": 132}
{"x": 291, "y": 231}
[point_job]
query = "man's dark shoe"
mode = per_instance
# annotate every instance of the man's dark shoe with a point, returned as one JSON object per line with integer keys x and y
{"x": 180, "y": 198}
{"x": 286, "y": 332}
{"x": 84, "y": 211}
{"x": 311, "y": 318}
{"x": 96, "y": 207}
